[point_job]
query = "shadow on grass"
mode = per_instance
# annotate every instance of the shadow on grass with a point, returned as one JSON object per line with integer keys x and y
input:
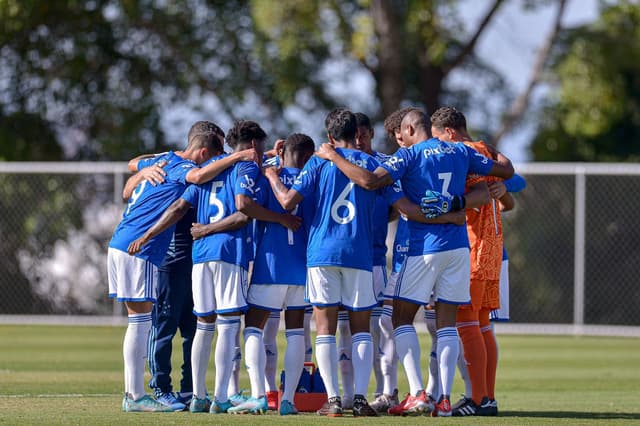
{"x": 571, "y": 415}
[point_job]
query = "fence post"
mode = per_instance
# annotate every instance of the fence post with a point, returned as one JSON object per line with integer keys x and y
{"x": 579, "y": 249}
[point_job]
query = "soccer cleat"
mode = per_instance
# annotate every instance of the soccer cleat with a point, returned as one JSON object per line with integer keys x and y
{"x": 238, "y": 398}
{"x": 384, "y": 402}
{"x": 198, "y": 405}
{"x": 169, "y": 399}
{"x": 331, "y": 408}
{"x": 442, "y": 408}
{"x": 361, "y": 407}
{"x": 465, "y": 407}
{"x": 251, "y": 406}
{"x": 412, "y": 405}
{"x": 272, "y": 400}
{"x": 185, "y": 398}
{"x": 287, "y": 408}
{"x": 146, "y": 403}
{"x": 487, "y": 407}
{"x": 397, "y": 410}
{"x": 218, "y": 407}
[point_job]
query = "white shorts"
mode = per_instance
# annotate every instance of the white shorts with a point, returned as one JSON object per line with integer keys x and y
{"x": 390, "y": 289}
{"x": 379, "y": 281}
{"x": 218, "y": 287}
{"x": 131, "y": 279}
{"x": 502, "y": 314}
{"x": 447, "y": 274}
{"x": 335, "y": 285}
{"x": 276, "y": 297}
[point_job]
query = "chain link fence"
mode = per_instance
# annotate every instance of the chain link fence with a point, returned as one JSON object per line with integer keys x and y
{"x": 571, "y": 239}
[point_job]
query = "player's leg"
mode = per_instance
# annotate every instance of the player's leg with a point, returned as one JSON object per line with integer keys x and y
{"x": 204, "y": 307}
{"x": 323, "y": 291}
{"x": 230, "y": 290}
{"x": 134, "y": 281}
{"x": 491, "y": 302}
{"x": 270, "y": 333}
{"x": 233, "y": 389}
{"x": 308, "y": 347}
{"x": 359, "y": 297}
{"x": 433, "y": 384}
{"x": 379, "y": 284}
{"x": 187, "y": 326}
{"x": 345, "y": 347}
{"x": 293, "y": 357}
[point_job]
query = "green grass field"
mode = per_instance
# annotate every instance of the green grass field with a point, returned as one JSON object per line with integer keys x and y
{"x": 74, "y": 375}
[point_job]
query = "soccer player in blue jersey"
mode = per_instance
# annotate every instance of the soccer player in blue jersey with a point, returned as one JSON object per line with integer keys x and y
{"x": 220, "y": 260}
{"x": 339, "y": 256}
{"x": 438, "y": 257}
{"x": 277, "y": 282}
{"x": 133, "y": 279}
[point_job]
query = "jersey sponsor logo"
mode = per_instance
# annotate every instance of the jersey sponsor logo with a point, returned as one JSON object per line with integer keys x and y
{"x": 287, "y": 180}
{"x": 360, "y": 162}
{"x": 402, "y": 249}
{"x": 485, "y": 160}
{"x": 393, "y": 163}
{"x": 298, "y": 180}
{"x": 249, "y": 184}
{"x": 440, "y": 150}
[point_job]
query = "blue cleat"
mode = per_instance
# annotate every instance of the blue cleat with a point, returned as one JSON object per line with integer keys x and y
{"x": 251, "y": 406}
{"x": 199, "y": 405}
{"x": 218, "y": 407}
{"x": 238, "y": 398}
{"x": 287, "y": 408}
{"x": 169, "y": 400}
{"x": 146, "y": 404}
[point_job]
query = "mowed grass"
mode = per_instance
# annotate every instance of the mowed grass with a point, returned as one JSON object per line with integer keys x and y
{"x": 74, "y": 375}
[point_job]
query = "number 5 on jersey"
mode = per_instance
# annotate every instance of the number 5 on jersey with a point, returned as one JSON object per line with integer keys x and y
{"x": 216, "y": 187}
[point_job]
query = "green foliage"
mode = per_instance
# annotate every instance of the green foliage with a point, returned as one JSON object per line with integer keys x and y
{"x": 596, "y": 113}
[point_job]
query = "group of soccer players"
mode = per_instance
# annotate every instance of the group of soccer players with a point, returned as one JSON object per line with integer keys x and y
{"x": 314, "y": 229}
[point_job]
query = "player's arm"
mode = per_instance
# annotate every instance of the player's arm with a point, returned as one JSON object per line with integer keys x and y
{"x": 213, "y": 169}
{"x": 507, "y": 202}
{"x": 413, "y": 212}
{"x": 358, "y": 175}
{"x": 173, "y": 214}
{"x": 277, "y": 146}
{"x": 248, "y": 206}
{"x": 478, "y": 195}
{"x": 502, "y": 166}
{"x": 232, "y": 222}
{"x": 288, "y": 198}
{"x": 133, "y": 163}
{"x": 153, "y": 174}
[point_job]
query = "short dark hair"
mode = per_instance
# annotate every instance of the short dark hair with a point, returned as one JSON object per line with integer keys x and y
{"x": 448, "y": 117}
{"x": 362, "y": 120}
{"x": 341, "y": 124}
{"x": 299, "y": 142}
{"x": 205, "y": 134}
{"x": 393, "y": 120}
{"x": 418, "y": 119}
{"x": 244, "y": 131}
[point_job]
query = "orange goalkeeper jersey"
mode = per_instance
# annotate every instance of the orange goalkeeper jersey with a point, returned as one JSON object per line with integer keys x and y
{"x": 484, "y": 227}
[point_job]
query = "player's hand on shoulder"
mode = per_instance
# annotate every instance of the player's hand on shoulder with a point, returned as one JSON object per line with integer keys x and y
{"x": 290, "y": 221}
{"x": 497, "y": 189}
{"x": 326, "y": 151}
{"x": 154, "y": 174}
{"x": 493, "y": 151}
{"x": 273, "y": 171}
{"x": 247, "y": 155}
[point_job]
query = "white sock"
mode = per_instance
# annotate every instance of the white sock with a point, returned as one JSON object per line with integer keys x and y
{"x": 327, "y": 357}
{"x": 345, "y": 349}
{"x": 200, "y": 354}
{"x": 134, "y": 351}
{"x": 308, "y": 347}
{"x": 464, "y": 371}
{"x": 293, "y": 361}
{"x": 433, "y": 384}
{"x": 362, "y": 356}
{"x": 254, "y": 358}
{"x": 271, "y": 349}
{"x": 234, "y": 382}
{"x": 389, "y": 357}
{"x": 375, "y": 338}
{"x": 408, "y": 349}
{"x": 228, "y": 327}
{"x": 448, "y": 351}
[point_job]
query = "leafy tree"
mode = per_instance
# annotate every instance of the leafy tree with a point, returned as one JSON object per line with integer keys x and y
{"x": 596, "y": 113}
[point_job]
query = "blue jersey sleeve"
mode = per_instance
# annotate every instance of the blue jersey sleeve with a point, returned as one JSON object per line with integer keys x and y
{"x": 478, "y": 163}
{"x": 191, "y": 194}
{"x": 246, "y": 181}
{"x": 146, "y": 162}
{"x": 515, "y": 183}
{"x": 397, "y": 164}
{"x": 391, "y": 193}
{"x": 305, "y": 182}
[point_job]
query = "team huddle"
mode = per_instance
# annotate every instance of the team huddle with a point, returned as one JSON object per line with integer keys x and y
{"x": 308, "y": 229}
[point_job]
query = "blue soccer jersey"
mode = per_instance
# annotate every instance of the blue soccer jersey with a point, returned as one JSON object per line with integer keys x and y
{"x": 341, "y": 231}
{"x": 146, "y": 205}
{"x": 400, "y": 244}
{"x": 216, "y": 200}
{"x": 438, "y": 166}
{"x": 281, "y": 256}
{"x": 381, "y": 220}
